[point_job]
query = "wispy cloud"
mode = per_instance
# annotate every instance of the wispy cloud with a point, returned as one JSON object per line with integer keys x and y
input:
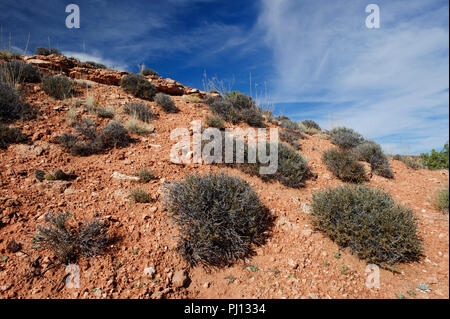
{"x": 387, "y": 82}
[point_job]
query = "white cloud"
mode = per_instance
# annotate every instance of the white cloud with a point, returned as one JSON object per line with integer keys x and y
{"x": 392, "y": 81}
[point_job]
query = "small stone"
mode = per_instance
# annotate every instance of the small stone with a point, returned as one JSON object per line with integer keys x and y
{"x": 180, "y": 278}
{"x": 149, "y": 271}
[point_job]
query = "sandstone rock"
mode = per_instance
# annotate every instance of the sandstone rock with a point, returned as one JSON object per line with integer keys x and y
{"x": 120, "y": 176}
{"x": 180, "y": 278}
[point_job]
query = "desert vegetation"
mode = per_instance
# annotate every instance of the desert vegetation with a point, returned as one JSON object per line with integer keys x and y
{"x": 233, "y": 218}
{"x": 369, "y": 222}
{"x": 139, "y": 86}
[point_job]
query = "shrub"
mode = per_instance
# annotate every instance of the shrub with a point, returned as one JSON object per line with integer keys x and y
{"x": 288, "y": 124}
{"x": 145, "y": 175}
{"x": 140, "y": 111}
{"x": 96, "y": 65}
{"x": 372, "y": 153}
{"x": 345, "y": 137}
{"x": 147, "y": 72}
{"x": 89, "y": 141}
{"x": 67, "y": 243}
{"x": 219, "y": 216}
{"x": 369, "y": 222}
{"x": 137, "y": 127}
{"x": 58, "y": 86}
{"x": 46, "y": 51}
{"x": 59, "y": 175}
{"x": 442, "y": 199}
{"x": 114, "y": 134}
{"x": 39, "y": 174}
{"x": 12, "y": 106}
{"x": 344, "y": 166}
{"x": 103, "y": 113}
{"x": 138, "y": 195}
{"x": 292, "y": 169}
{"x": 409, "y": 161}
{"x": 253, "y": 116}
{"x": 15, "y": 72}
{"x": 225, "y": 110}
{"x": 291, "y": 137}
{"x": 311, "y": 125}
{"x": 436, "y": 160}
{"x": 138, "y": 85}
{"x": 215, "y": 121}
{"x": 166, "y": 102}
{"x": 7, "y": 55}
{"x": 10, "y": 135}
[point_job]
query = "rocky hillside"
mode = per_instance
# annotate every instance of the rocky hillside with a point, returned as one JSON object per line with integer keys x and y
{"x": 297, "y": 261}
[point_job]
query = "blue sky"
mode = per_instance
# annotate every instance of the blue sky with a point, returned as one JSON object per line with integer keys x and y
{"x": 310, "y": 59}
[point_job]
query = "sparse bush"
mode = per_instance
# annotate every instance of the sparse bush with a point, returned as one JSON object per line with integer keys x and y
{"x": 46, "y": 51}
{"x": 103, "y": 113}
{"x": 7, "y": 55}
{"x": 139, "y": 86}
{"x": 166, "y": 102}
{"x": 12, "y": 106}
{"x": 291, "y": 137}
{"x": 114, "y": 134}
{"x": 219, "y": 216}
{"x": 15, "y": 72}
{"x": 253, "y": 116}
{"x": 59, "y": 175}
{"x": 410, "y": 162}
{"x": 292, "y": 169}
{"x": 369, "y": 222}
{"x": 215, "y": 121}
{"x": 137, "y": 127}
{"x": 225, "y": 110}
{"x": 288, "y": 124}
{"x": 68, "y": 243}
{"x": 311, "y": 125}
{"x": 345, "y": 137}
{"x": 39, "y": 174}
{"x": 344, "y": 166}
{"x": 96, "y": 65}
{"x": 58, "y": 86}
{"x": 436, "y": 160}
{"x": 11, "y": 135}
{"x": 145, "y": 175}
{"x": 138, "y": 195}
{"x": 147, "y": 72}
{"x": 372, "y": 153}
{"x": 89, "y": 141}
{"x": 193, "y": 98}
{"x": 442, "y": 199}
{"x": 140, "y": 111}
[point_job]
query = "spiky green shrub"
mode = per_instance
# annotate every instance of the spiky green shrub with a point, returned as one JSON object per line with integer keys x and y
{"x": 68, "y": 243}
{"x": 311, "y": 125}
{"x": 369, "y": 222}
{"x": 373, "y": 154}
{"x": 11, "y": 135}
{"x": 46, "y": 51}
{"x": 220, "y": 218}
{"x": 345, "y": 137}
{"x": 344, "y": 166}
{"x": 58, "y": 86}
{"x": 12, "y": 106}
{"x": 147, "y": 72}
{"x": 441, "y": 202}
{"x": 137, "y": 127}
{"x": 15, "y": 72}
{"x": 139, "y": 86}
{"x": 138, "y": 195}
{"x": 166, "y": 103}
{"x": 436, "y": 160}
{"x": 140, "y": 111}
{"x": 215, "y": 121}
